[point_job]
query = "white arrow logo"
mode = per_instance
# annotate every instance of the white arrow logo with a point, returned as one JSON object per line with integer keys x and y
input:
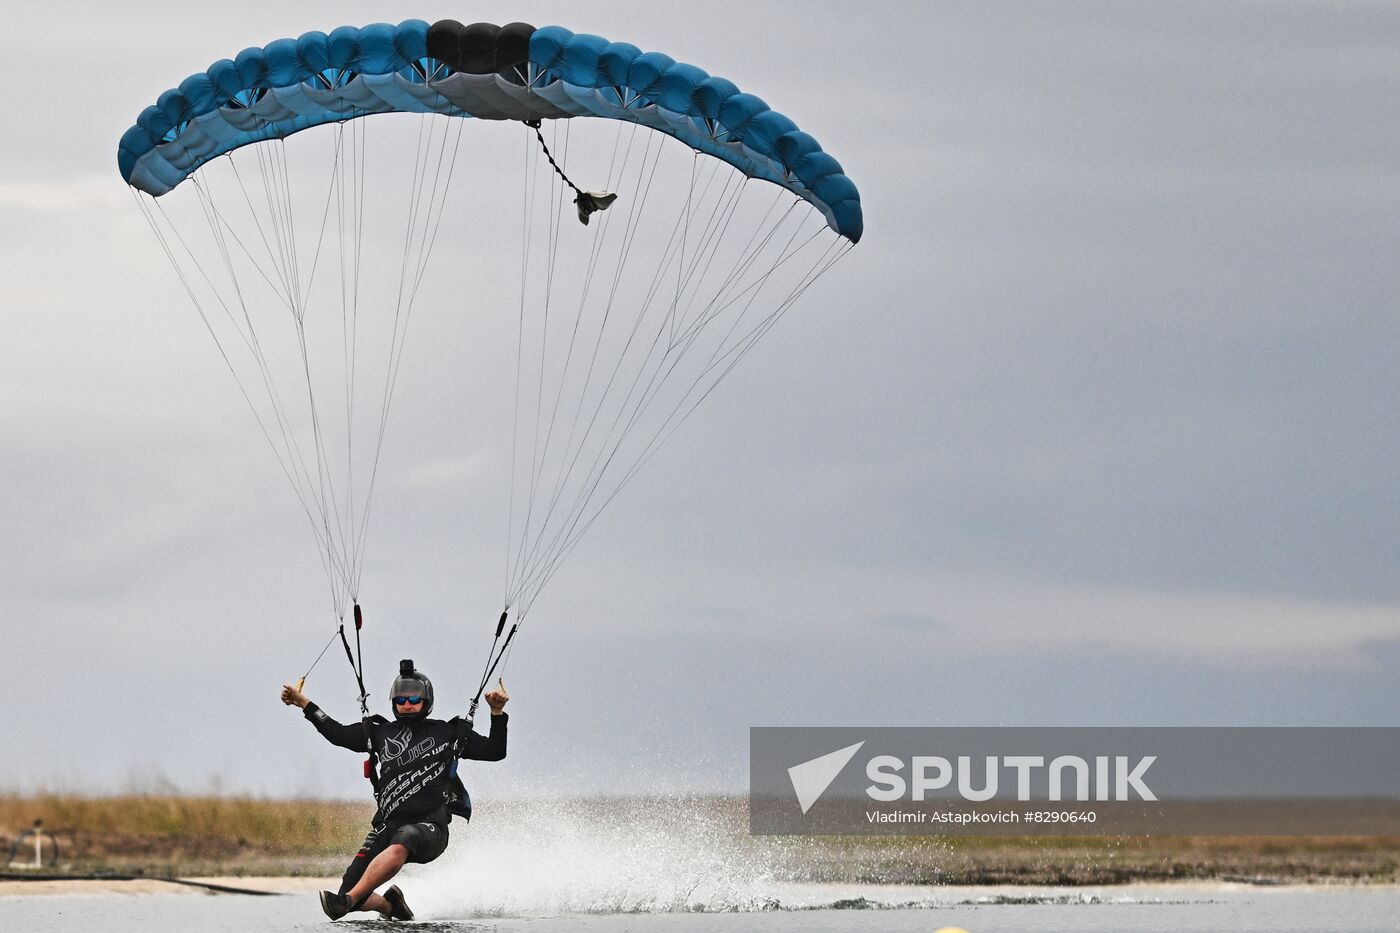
{"x": 811, "y": 778}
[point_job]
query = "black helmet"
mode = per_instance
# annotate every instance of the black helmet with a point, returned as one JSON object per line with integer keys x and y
{"x": 412, "y": 683}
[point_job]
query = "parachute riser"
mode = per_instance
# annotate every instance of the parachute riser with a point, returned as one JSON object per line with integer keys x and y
{"x": 356, "y": 659}
{"x": 493, "y": 659}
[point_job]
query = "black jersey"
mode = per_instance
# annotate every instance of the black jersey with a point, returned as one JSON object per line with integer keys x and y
{"x": 415, "y": 758}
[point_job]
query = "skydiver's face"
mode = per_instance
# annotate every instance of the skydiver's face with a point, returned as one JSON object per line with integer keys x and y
{"x": 404, "y": 708}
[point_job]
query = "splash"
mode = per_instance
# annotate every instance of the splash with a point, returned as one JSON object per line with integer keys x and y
{"x": 635, "y": 855}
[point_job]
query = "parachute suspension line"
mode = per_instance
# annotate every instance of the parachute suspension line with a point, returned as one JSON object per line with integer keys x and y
{"x": 305, "y": 296}
{"x": 319, "y": 491}
{"x": 262, "y": 425}
{"x": 841, "y": 247}
{"x": 416, "y": 248}
{"x": 600, "y": 233}
{"x": 221, "y": 229}
{"x": 609, "y": 446}
{"x": 527, "y": 192}
{"x": 276, "y": 195}
{"x": 325, "y": 480}
{"x": 630, "y": 231}
{"x": 718, "y": 225}
{"x": 279, "y": 291}
{"x": 817, "y": 269}
{"x": 303, "y": 300}
{"x": 350, "y": 214}
{"x": 269, "y": 244}
{"x": 249, "y": 341}
{"x": 324, "y": 475}
{"x": 683, "y": 221}
{"x": 528, "y": 197}
{"x": 204, "y": 317}
{"x": 696, "y": 298}
{"x": 530, "y": 178}
{"x": 326, "y": 483}
{"x": 431, "y": 224}
{"x": 734, "y": 325}
{"x": 347, "y": 319}
{"x": 248, "y": 338}
{"x": 315, "y": 489}
{"x": 277, "y": 256}
{"x": 536, "y": 461}
{"x": 301, "y": 682}
{"x": 400, "y": 323}
{"x": 597, "y": 472}
{"x": 556, "y": 215}
{"x": 738, "y": 351}
{"x": 741, "y": 348}
{"x": 567, "y": 471}
{"x": 531, "y": 190}
{"x": 599, "y": 242}
{"x": 277, "y": 188}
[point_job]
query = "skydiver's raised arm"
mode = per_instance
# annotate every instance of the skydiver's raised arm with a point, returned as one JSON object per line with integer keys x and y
{"x": 345, "y": 736}
{"x": 491, "y": 747}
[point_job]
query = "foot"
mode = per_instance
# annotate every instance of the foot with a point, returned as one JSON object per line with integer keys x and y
{"x": 399, "y": 907}
{"x": 335, "y": 905}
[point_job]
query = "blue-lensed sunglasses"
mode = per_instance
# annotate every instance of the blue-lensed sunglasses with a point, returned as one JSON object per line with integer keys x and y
{"x": 410, "y": 701}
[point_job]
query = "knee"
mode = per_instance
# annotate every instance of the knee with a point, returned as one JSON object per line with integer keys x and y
{"x": 398, "y": 851}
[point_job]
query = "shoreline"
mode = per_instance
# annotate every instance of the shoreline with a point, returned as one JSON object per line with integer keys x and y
{"x": 300, "y": 885}
{"x": 72, "y": 887}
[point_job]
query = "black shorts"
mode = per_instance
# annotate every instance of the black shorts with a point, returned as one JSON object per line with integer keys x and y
{"x": 424, "y": 842}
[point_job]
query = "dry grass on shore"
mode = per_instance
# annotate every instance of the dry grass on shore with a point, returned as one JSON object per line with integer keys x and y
{"x": 177, "y": 836}
{"x": 163, "y": 834}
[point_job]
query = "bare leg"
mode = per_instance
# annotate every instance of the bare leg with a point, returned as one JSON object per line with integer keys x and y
{"x": 385, "y": 866}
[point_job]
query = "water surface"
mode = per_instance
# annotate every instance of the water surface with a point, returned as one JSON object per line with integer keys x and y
{"x": 815, "y": 908}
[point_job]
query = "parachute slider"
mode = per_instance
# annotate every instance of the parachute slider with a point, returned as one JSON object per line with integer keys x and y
{"x": 359, "y": 618}
{"x": 501, "y": 625}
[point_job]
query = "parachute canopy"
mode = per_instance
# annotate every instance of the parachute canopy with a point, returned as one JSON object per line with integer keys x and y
{"x": 586, "y": 347}
{"x": 513, "y": 72}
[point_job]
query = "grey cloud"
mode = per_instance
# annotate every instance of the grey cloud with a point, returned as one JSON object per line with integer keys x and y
{"x": 1123, "y": 325}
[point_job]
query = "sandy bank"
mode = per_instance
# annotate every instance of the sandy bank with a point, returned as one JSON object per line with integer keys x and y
{"x": 143, "y": 886}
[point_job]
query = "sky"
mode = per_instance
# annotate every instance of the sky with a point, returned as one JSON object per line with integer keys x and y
{"x": 1094, "y": 427}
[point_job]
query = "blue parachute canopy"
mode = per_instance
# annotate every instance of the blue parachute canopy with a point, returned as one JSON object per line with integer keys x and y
{"x": 513, "y": 72}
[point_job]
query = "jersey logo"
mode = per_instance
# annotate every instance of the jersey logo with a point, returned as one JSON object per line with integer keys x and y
{"x": 396, "y": 745}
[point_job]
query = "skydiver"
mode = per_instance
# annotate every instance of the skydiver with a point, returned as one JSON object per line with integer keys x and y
{"x": 418, "y": 789}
